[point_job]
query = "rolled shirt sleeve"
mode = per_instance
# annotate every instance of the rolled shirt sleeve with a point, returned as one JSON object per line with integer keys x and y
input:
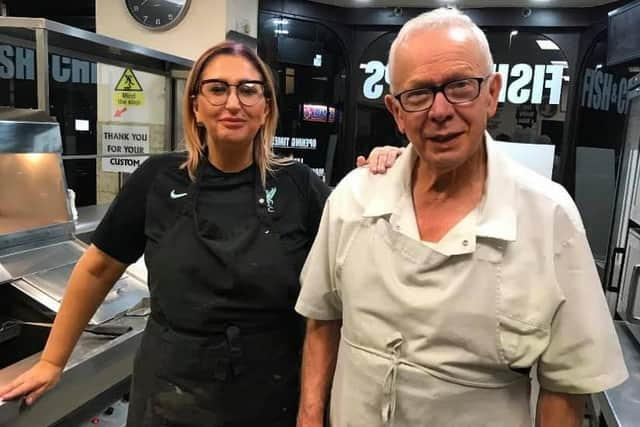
{"x": 319, "y": 298}
{"x": 583, "y": 355}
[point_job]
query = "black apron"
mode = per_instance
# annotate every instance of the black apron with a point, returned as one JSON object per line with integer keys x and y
{"x": 228, "y": 377}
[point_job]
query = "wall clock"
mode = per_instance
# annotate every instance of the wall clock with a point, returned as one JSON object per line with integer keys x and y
{"x": 157, "y": 15}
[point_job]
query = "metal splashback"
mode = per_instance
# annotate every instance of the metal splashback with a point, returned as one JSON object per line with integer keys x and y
{"x": 33, "y": 190}
{"x": 37, "y": 247}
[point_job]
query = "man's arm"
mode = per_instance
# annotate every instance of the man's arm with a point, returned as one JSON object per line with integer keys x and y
{"x": 559, "y": 409}
{"x": 318, "y": 365}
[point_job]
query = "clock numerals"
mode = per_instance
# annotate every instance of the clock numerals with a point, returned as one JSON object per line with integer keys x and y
{"x": 158, "y": 14}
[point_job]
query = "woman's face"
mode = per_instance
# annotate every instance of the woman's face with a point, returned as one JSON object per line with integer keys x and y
{"x": 231, "y": 103}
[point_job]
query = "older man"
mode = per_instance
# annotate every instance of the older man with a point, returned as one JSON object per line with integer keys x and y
{"x": 456, "y": 272}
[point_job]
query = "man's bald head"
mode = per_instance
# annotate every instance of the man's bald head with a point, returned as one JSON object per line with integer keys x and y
{"x": 439, "y": 19}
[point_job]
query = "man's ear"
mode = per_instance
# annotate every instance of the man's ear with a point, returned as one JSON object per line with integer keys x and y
{"x": 495, "y": 86}
{"x": 396, "y": 111}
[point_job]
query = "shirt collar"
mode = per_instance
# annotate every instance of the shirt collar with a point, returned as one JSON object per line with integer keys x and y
{"x": 497, "y": 217}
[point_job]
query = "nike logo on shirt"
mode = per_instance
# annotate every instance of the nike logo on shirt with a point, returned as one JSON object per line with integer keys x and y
{"x": 175, "y": 195}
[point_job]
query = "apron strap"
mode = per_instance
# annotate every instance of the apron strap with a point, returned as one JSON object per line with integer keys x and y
{"x": 235, "y": 349}
{"x": 389, "y": 394}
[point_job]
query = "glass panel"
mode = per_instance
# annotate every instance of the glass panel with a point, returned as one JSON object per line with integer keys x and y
{"x": 36, "y": 181}
{"x": 375, "y": 125}
{"x": 81, "y": 178}
{"x": 533, "y": 100}
{"x": 310, "y": 69}
{"x": 131, "y": 124}
{"x": 113, "y": 114}
{"x": 602, "y": 114}
{"x": 17, "y": 74}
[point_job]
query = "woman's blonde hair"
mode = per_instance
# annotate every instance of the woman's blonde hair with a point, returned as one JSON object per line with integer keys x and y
{"x": 195, "y": 135}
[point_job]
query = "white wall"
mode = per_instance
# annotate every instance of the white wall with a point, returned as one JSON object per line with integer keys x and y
{"x": 204, "y": 25}
{"x": 242, "y": 16}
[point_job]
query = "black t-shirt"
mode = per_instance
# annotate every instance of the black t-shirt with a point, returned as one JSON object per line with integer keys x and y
{"x": 218, "y": 283}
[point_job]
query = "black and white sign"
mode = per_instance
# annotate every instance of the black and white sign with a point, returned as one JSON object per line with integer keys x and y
{"x": 120, "y": 141}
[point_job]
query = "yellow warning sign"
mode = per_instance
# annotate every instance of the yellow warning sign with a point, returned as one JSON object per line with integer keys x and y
{"x": 129, "y": 82}
{"x": 128, "y": 91}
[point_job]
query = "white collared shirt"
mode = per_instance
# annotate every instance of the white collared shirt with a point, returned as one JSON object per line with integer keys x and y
{"x": 511, "y": 286}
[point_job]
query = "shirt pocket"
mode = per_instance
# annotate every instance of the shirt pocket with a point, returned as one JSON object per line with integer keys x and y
{"x": 528, "y": 298}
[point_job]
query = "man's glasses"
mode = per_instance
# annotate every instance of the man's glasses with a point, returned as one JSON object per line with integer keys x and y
{"x": 216, "y": 92}
{"x": 456, "y": 92}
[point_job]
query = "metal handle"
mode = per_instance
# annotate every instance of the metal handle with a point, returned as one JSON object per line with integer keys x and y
{"x": 633, "y": 293}
{"x": 609, "y": 276}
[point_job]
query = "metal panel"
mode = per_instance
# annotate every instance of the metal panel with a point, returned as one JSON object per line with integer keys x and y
{"x": 23, "y": 263}
{"x": 42, "y": 67}
{"x": 51, "y": 285}
{"x": 632, "y": 139}
{"x": 30, "y": 137}
{"x": 92, "y": 43}
{"x": 628, "y": 308}
{"x": 34, "y": 238}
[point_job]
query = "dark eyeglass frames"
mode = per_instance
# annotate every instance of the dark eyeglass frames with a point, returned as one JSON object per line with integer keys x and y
{"x": 216, "y": 91}
{"x": 456, "y": 92}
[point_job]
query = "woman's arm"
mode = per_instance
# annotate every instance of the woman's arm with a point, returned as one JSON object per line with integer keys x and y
{"x": 91, "y": 279}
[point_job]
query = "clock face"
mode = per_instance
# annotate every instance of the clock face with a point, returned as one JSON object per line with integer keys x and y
{"x": 157, "y": 14}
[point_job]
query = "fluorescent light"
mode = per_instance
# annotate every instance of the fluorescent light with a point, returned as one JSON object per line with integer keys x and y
{"x": 278, "y": 31}
{"x": 547, "y": 45}
{"x": 598, "y": 66}
{"x": 565, "y": 78}
{"x": 279, "y": 21}
{"x": 82, "y": 125}
{"x": 563, "y": 63}
{"x": 513, "y": 33}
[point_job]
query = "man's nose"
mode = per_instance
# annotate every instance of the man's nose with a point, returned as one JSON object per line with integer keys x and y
{"x": 441, "y": 109}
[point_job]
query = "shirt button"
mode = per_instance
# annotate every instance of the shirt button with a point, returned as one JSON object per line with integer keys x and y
{"x": 261, "y": 201}
{"x": 465, "y": 243}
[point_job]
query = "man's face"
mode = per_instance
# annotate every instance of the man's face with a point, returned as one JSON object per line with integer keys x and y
{"x": 446, "y": 135}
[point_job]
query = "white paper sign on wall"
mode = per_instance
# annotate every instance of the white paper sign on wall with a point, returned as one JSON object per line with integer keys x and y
{"x": 122, "y": 140}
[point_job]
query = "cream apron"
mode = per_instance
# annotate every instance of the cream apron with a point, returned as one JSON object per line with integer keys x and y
{"x": 420, "y": 341}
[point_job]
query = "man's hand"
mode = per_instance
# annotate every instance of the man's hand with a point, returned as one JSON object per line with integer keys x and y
{"x": 380, "y": 159}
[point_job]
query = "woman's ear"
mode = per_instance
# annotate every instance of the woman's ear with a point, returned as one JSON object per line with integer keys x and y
{"x": 194, "y": 108}
{"x": 267, "y": 111}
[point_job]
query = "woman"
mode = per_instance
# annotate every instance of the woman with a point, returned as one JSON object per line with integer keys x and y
{"x": 225, "y": 231}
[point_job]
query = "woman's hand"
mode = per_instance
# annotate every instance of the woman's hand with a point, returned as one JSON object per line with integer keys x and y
{"x": 380, "y": 159}
{"x": 33, "y": 383}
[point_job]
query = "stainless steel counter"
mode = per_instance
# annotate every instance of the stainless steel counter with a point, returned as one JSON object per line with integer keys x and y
{"x": 96, "y": 364}
{"x": 620, "y": 406}
{"x": 88, "y": 218}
